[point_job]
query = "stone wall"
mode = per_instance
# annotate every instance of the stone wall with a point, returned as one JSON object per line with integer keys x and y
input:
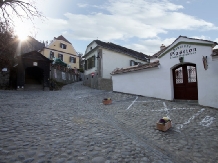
{"x": 4, "y": 79}
{"x": 105, "y": 84}
{"x": 95, "y": 82}
{"x": 63, "y": 75}
{"x": 91, "y": 81}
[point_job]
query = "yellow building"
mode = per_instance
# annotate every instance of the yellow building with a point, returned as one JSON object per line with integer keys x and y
{"x": 61, "y": 48}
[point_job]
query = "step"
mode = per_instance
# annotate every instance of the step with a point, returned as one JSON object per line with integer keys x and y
{"x": 186, "y": 101}
{"x": 33, "y": 87}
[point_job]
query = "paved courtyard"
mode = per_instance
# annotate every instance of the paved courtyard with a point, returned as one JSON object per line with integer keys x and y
{"x": 73, "y": 126}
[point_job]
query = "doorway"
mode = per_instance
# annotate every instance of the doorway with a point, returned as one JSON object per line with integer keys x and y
{"x": 34, "y": 78}
{"x": 185, "y": 82}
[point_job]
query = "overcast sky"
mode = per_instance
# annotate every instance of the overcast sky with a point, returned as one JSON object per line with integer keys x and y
{"x": 141, "y": 25}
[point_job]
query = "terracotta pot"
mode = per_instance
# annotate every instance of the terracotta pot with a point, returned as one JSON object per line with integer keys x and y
{"x": 107, "y": 102}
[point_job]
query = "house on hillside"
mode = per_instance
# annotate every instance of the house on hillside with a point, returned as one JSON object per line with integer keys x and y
{"x": 9, "y": 73}
{"x": 61, "y": 48}
{"x": 184, "y": 70}
{"x": 101, "y": 58}
{"x": 29, "y": 45}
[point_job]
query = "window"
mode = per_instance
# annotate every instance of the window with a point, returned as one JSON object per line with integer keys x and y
{"x": 60, "y": 56}
{"x": 63, "y": 46}
{"x": 72, "y": 59}
{"x": 91, "y": 62}
{"x": 90, "y": 48}
{"x": 86, "y": 64}
{"x": 192, "y": 77}
{"x": 179, "y": 75}
{"x": 132, "y": 63}
{"x": 51, "y": 55}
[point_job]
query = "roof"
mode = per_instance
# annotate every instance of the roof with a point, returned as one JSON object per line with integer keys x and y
{"x": 136, "y": 68}
{"x": 58, "y": 61}
{"x": 196, "y": 39}
{"x": 34, "y": 55}
{"x": 215, "y": 52}
{"x": 120, "y": 49}
{"x": 62, "y": 38}
{"x": 161, "y": 51}
{"x": 31, "y": 44}
{"x": 158, "y": 53}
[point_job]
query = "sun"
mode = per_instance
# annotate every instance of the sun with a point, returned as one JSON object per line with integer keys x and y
{"x": 22, "y": 33}
{"x": 22, "y": 36}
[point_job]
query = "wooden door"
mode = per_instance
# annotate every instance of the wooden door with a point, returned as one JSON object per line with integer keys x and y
{"x": 185, "y": 82}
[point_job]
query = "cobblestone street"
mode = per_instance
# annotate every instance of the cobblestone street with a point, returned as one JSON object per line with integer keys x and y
{"x": 73, "y": 126}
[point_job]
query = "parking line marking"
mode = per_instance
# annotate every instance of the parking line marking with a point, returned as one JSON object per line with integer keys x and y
{"x": 207, "y": 121}
{"x": 132, "y": 103}
{"x": 148, "y": 101}
{"x": 180, "y": 126}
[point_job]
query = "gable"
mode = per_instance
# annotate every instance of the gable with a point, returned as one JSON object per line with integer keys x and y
{"x": 56, "y": 45}
{"x": 34, "y": 55}
{"x": 183, "y": 46}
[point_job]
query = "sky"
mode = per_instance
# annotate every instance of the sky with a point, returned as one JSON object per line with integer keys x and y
{"x": 141, "y": 25}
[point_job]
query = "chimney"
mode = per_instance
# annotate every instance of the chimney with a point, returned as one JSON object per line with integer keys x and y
{"x": 162, "y": 47}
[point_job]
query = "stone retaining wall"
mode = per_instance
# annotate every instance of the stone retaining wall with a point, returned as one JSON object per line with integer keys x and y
{"x": 97, "y": 83}
{"x": 64, "y": 75}
{"x": 105, "y": 84}
{"x": 4, "y": 79}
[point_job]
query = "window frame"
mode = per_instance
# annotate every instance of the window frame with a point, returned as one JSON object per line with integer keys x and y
{"x": 72, "y": 59}
{"x": 62, "y": 56}
{"x": 63, "y": 46}
{"x": 51, "y": 54}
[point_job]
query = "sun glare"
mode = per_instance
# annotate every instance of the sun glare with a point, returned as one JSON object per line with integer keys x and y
{"x": 22, "y": 36}
{"x": 22, "y": 33}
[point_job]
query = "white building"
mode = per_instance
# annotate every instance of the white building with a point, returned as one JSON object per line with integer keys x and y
{"x": 101, "y": 58}
{"x": 185, "y": 70}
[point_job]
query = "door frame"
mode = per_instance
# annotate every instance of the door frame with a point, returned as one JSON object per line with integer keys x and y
{"x": 173, "y": 78}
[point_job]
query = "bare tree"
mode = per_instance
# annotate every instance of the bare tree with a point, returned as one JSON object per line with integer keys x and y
{"x": 8, "y": 44}
{"x": 9, "y": 11}
{"x": 18, "y": 8}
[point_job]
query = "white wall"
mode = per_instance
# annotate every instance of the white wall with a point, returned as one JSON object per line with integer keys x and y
{"x": 112, "y": 60}
{"x": 91, "y": 46}
{"x": 159, "y": 83}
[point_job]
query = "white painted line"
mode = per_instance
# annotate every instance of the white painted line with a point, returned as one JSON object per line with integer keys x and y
{"x": 148, "y": 101}
{"x": 167, "y": 110}
{"x": 158, "y": 110}
{"x": 132, "y": 103}
{"x": 175, "y": 109}
{"x": 164, "y": 104}
{"x": 180, "y": 126}
{"x": 207, "y": 121}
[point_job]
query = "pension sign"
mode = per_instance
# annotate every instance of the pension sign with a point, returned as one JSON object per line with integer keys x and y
{"x": 182, "y": 50}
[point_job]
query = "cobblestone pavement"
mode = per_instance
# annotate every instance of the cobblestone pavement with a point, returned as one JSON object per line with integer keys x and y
{"x": 74, "y": 126}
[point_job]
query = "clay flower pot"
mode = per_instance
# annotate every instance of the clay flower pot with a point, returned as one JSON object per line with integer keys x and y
{"x": 107, "y": 101}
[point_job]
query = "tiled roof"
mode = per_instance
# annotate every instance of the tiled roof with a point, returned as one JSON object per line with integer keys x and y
{"x": 158, "y": 53}
{"x": 136, "y": 68}
{"x": 62, "y": 38}
{"x": 215, "y": 52}
{"x": 121, "y": 49}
